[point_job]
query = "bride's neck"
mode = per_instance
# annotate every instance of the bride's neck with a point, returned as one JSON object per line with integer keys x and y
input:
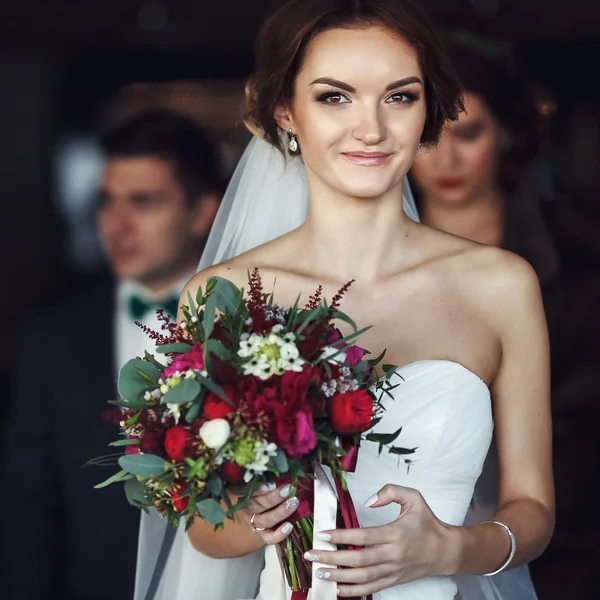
{"x": 353, "y": 238}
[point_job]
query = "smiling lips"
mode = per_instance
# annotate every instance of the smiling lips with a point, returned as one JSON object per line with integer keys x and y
{"x": 367, "y": 159}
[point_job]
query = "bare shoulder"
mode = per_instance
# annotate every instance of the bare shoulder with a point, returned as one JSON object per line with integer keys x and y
{"x": 267, "y": 258}
{"x": 504, "y": 285}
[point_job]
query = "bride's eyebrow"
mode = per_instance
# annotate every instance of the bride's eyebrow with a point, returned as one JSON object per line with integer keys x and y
{"x": 348, "y": 88}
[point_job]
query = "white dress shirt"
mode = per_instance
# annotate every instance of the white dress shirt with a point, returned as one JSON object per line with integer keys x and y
{"x": 130, "y": 340}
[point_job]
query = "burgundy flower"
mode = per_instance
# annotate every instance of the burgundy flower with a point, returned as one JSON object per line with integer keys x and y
{"x": 180, "y": 502}
{"x": 232, "y": 472}
{"x": 354, "y": 354}
{"x": 295, "y": 433}
{"x": 151, "y": 442}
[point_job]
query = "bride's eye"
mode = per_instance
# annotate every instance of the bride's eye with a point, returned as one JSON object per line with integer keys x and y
{"x": 402, "y": 98}
{"x": 333, "y": 98}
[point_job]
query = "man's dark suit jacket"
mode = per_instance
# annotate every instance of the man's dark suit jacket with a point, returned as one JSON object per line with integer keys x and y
{"x": 63, "y": 538}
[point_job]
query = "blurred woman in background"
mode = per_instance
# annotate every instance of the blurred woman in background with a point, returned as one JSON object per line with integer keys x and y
{"x": 475, "y": 182}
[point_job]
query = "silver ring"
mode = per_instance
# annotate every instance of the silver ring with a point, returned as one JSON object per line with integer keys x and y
{"x": 253, "y": 527}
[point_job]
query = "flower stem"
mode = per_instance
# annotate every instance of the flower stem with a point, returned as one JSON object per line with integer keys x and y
{"x": 292, "y": 564}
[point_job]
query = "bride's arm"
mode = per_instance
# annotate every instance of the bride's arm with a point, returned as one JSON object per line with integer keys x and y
{"x": 521, "y": 396}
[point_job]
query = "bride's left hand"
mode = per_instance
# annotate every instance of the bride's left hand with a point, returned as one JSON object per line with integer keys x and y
{"x": 417, "y": 544}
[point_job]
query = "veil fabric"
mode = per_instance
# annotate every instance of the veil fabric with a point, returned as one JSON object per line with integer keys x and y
{"x": 268, "y": 197}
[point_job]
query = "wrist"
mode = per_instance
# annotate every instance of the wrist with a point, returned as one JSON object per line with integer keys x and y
{"x": 452, "y": 550}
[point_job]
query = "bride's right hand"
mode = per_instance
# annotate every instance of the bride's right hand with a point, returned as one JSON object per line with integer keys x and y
{"x": 268, "y": 512}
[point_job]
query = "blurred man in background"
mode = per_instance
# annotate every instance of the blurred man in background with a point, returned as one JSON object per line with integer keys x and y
{"x": 63, "y": 539}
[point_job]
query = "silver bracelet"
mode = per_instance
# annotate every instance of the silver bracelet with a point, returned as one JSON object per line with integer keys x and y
{"x": 513, "y": 547}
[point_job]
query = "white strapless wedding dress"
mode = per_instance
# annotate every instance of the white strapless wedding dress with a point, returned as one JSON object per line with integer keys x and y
{"x": 445, "y": 412}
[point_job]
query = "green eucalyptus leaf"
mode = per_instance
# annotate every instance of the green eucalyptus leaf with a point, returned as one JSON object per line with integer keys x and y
{"x": 135, "y": 378}
{"x": 226, "y": 295}
{"x": 177, "y": 347}
{"x": 208, "y": 320}
{"x": 117, "y": 477}
{"x": 135, "y": 492}
{"x": 217, "y": 348}
{"x": 280, "y": 461}
{"x": 211, "y": 511}
{"x": 214, "y": 486}
{"x": 199, "y": 296}
{"x": 193, "y": 309}
{"x": 150, "y": 358}
{"x": 144, "y": 465}
{"x": 344, "y": 317}
{"x": 184, "y": 392}
{"x": 211, "y": 386}
{"x": 194, "y": 410}
{"x": 126, "y": 442}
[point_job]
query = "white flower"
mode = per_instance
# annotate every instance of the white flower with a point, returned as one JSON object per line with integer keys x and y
{"x": 189, "y": 374}
{"x": 164, "y": 388}
{"x": 194, "y": 319}
{"x": 147, "y": 396}
{"x": 215, "y": 433}
{"x": 173, "y": 409}
{"x": 183, "y": 325}
{"x": 156, "y": 394}
{"x": 262, "y": 455}
{"x": 289, "y": 351}
{"x": 276, "y": 328}
{"x": 333, "y": 355}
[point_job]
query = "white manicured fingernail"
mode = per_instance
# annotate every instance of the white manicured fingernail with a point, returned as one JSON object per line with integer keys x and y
{"x": 323, "y": 574}
{"x": 370, "y": 501}
{"x": 285, "y": 490}
{"x": 287, "y": 528}
{"x": 322, "y": 536}
{"x": 267, "y": 487}
{"x": 292, "y": 503}
{"x": 310, "y": 556}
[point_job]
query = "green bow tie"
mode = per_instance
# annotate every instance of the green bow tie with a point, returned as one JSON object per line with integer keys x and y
{"x": 140, "y": 307}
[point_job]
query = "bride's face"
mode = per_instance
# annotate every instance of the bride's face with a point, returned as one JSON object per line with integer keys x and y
{"x": 359, "y": 110}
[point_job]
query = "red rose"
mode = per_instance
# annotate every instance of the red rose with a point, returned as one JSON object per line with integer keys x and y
{"x": 179, "y": 502}
{"x": 192, "y": 359}
{"x": 216, "y": 408}
{"x": 176, "y": 440}
{"x": 232, "y": 472}
{"x": 351, "y": 412}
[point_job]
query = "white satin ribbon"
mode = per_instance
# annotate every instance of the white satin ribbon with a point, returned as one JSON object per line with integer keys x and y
{"x": 325, "y": 514}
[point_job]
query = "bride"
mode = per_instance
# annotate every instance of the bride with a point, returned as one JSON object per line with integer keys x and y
{"x": 352, "y": 89}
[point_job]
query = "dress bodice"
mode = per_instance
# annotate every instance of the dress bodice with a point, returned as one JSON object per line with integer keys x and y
{"x": 445, "y": 413}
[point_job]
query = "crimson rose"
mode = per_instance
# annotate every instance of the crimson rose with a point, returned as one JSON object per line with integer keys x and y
{"x": 232, "y": 472}
{"x": 351, "y": 412}
{"x": 176, "y": 440}
{"x": 216, "y": 408}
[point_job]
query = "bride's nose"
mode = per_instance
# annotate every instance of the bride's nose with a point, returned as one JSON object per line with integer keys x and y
{"x": 369, "y": 127}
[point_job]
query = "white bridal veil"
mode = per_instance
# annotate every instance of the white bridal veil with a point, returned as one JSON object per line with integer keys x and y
{"x": 266, "y": 198}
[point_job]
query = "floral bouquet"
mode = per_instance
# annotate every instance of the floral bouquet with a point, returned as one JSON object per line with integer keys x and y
{"x": 253, "y": 393}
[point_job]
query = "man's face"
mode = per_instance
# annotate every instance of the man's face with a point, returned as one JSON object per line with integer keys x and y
{"x": 150, "y": 231}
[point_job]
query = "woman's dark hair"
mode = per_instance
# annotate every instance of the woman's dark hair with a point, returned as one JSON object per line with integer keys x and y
{"x": 285, "y": 37}
{"x": 172, "y": 137}
{"x": 508, "y": 97}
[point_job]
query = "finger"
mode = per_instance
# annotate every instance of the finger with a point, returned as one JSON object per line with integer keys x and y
{"x": 388, "y": 494}
{"x": 275, "y": 536}
{"x": 365, "y": 589}
{"x": 268, "y": 500}
{"x": 270, "y": 519}
{"x": 362, "y": 575}
{"x": 349, "y": 558}
{"x": 364, "y": 536}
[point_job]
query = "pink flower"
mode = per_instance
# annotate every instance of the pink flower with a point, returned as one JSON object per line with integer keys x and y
{"x": 192, "y": 359}
{"x": 354, "y": 354}
{"x": 295, "y": 433}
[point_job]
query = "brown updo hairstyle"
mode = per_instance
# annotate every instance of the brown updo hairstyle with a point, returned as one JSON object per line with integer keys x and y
{"x": 284, "y": 38}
